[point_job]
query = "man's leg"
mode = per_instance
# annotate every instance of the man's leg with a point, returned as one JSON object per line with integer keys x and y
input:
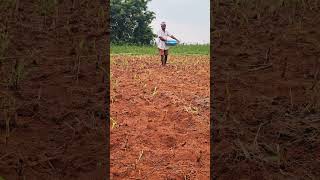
{"x": 161, "y": 52}
{"x": 165, "y": 56}
{"x": 162, "y": 60}
{"x": 165, "y": 59}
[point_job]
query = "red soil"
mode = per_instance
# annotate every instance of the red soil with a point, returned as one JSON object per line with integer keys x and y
{"x": 157, "y": 135}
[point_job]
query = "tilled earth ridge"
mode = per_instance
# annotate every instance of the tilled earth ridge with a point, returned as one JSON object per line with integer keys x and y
{"x": 266, "y": 103}
{"x": 160, "y": 117}
{"x": 56, "y": 108}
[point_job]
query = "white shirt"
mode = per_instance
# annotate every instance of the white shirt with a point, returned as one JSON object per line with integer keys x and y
{"x": 161, "y": 44}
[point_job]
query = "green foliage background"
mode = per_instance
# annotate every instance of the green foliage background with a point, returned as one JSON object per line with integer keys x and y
{"x": 130, "y": 22}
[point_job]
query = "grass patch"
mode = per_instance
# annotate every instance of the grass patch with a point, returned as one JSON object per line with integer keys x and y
{"x": 152, "y": 50}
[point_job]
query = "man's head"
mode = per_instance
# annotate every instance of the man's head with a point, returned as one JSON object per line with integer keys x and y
{"x": 163, "y": 26}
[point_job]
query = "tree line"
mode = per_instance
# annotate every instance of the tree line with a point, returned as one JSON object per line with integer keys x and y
{"x": 130, "y": 22}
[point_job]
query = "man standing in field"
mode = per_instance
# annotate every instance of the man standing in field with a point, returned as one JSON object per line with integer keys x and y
{"x": 163, "y": 48}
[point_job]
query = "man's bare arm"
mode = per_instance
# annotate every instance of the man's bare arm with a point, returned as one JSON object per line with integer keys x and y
{"x": 162, "y": 39}
{"x": 174, "y": 38}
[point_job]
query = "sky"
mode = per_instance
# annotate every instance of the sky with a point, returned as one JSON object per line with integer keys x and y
{"x": 187, "y": 20}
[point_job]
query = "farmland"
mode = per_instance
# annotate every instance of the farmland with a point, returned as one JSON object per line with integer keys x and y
{"x": 192, "y": 49}
{"x": 52, "y": 90}
{"x": 159, "y": 117}
{"x": 266, "y": 83}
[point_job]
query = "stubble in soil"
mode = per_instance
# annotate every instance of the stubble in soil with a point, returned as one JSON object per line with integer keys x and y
{"x": 160, "y": 117}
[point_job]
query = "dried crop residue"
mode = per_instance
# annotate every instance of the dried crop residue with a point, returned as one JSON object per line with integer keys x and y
{"x": 160, "y": 117}
{"x": 52, "y": 115}
{"x": 266, "y": 85}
